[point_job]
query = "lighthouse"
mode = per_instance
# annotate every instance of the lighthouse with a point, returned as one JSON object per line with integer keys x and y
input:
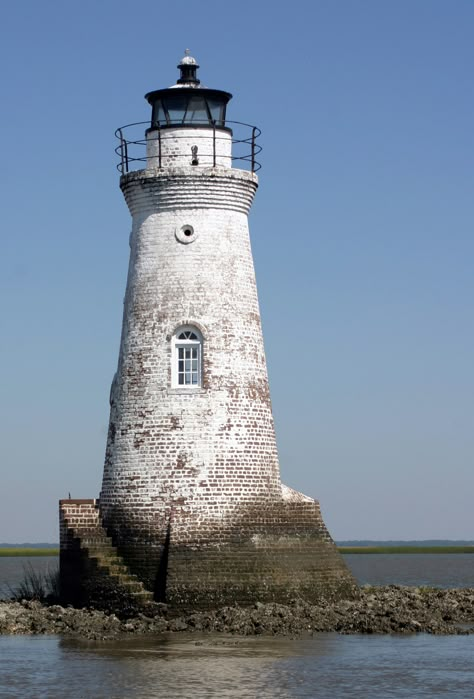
{"x": 192, "y": 505}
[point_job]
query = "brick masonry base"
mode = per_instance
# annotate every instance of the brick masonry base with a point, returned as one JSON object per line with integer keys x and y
{"x": 279, "y": 570}
{"x": 277, "y": 552}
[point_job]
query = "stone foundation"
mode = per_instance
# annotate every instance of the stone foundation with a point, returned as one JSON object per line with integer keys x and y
{"x": 275, "y": 552}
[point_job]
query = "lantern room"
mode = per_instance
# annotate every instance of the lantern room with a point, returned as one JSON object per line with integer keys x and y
{"x": 188, "y": 103}
{"x": 188, "y": 126}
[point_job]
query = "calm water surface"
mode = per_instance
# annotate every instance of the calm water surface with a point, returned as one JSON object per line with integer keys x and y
{"x": 326, "y": 665}
{"x": 417, "y": 569}
{"x": 191, "y": 666}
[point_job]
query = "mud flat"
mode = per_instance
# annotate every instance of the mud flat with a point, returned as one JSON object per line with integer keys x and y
{"x": 383, "y": 610}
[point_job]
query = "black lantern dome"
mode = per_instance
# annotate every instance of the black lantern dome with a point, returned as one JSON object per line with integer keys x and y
{"x": 188, "y": 103}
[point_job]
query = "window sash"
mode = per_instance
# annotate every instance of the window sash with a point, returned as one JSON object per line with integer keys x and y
{"x": 188, "y": 364}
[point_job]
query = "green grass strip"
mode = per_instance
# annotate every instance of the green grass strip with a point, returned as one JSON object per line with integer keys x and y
{"x": 13, "y": 551}
{"x": 406, "y": 549}
{"x": 28, "y": 552}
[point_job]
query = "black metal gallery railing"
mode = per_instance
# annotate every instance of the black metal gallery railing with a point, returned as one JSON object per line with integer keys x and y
{"x": 210, "y": 147}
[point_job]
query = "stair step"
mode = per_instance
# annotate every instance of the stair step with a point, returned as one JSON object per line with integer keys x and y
{"x": 121, "y": 573}
{"x": 144, "y": 594}
{"x": 106, "y": 561}
{"x": 132, "y": 586}
{"x": 113, "y": 569}
{"x": 99, "y": 543}
{"x": 101, "y": 550}
{"x": 98, "y": 546}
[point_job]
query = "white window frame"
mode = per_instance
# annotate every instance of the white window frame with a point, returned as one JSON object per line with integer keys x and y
{"x": 180, "y": 369}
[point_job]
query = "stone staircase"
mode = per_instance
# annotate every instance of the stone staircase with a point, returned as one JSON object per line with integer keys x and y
{"x": 91, "y": 569}
{"x": 105, "y": 556}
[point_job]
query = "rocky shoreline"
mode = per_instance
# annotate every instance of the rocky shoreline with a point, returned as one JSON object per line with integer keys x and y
{"x": 388, "y": 609}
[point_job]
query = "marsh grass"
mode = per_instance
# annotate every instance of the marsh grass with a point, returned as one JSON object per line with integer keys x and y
{"x": 40, "y": 586}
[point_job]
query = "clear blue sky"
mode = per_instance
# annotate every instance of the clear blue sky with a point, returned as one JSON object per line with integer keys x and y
{"x": 362, "y": 233}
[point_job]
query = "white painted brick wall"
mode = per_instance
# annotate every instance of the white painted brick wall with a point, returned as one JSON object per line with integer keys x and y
{"x": 176, "y": 145}
{"x": 211, "y": 450}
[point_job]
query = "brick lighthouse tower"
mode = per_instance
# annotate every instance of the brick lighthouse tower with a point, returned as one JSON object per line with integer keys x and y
{"x": 191, "y": 499}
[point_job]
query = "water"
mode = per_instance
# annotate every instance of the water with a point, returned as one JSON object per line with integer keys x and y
{"x": 417, "y": 569}
{"x": 326, "y": 665}
{"x": 192, "y": 666}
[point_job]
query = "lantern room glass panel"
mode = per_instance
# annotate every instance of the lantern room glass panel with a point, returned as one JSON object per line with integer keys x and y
{"x": 197, "y": 111}
{"x": 217, "y": 110}
{"x": 175, "y": 108}
{"x": 158, "y": 115}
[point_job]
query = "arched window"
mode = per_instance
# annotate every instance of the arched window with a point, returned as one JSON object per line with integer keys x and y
{"x": 187, "y": 358}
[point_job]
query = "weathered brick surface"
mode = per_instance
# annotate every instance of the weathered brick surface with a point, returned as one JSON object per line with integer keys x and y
{"x": 211, "y": 450}
{"x": 177, "y": 144}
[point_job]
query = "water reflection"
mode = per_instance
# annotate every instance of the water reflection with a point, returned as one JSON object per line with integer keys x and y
{"x": 189, "y": 667}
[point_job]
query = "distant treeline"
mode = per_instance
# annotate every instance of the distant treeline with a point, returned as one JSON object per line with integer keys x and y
{"x": 25, "y": 551}
{"x": 351, "y": 542}
{"x": 425, "y": 546}
{"x": 406, "y": 549}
